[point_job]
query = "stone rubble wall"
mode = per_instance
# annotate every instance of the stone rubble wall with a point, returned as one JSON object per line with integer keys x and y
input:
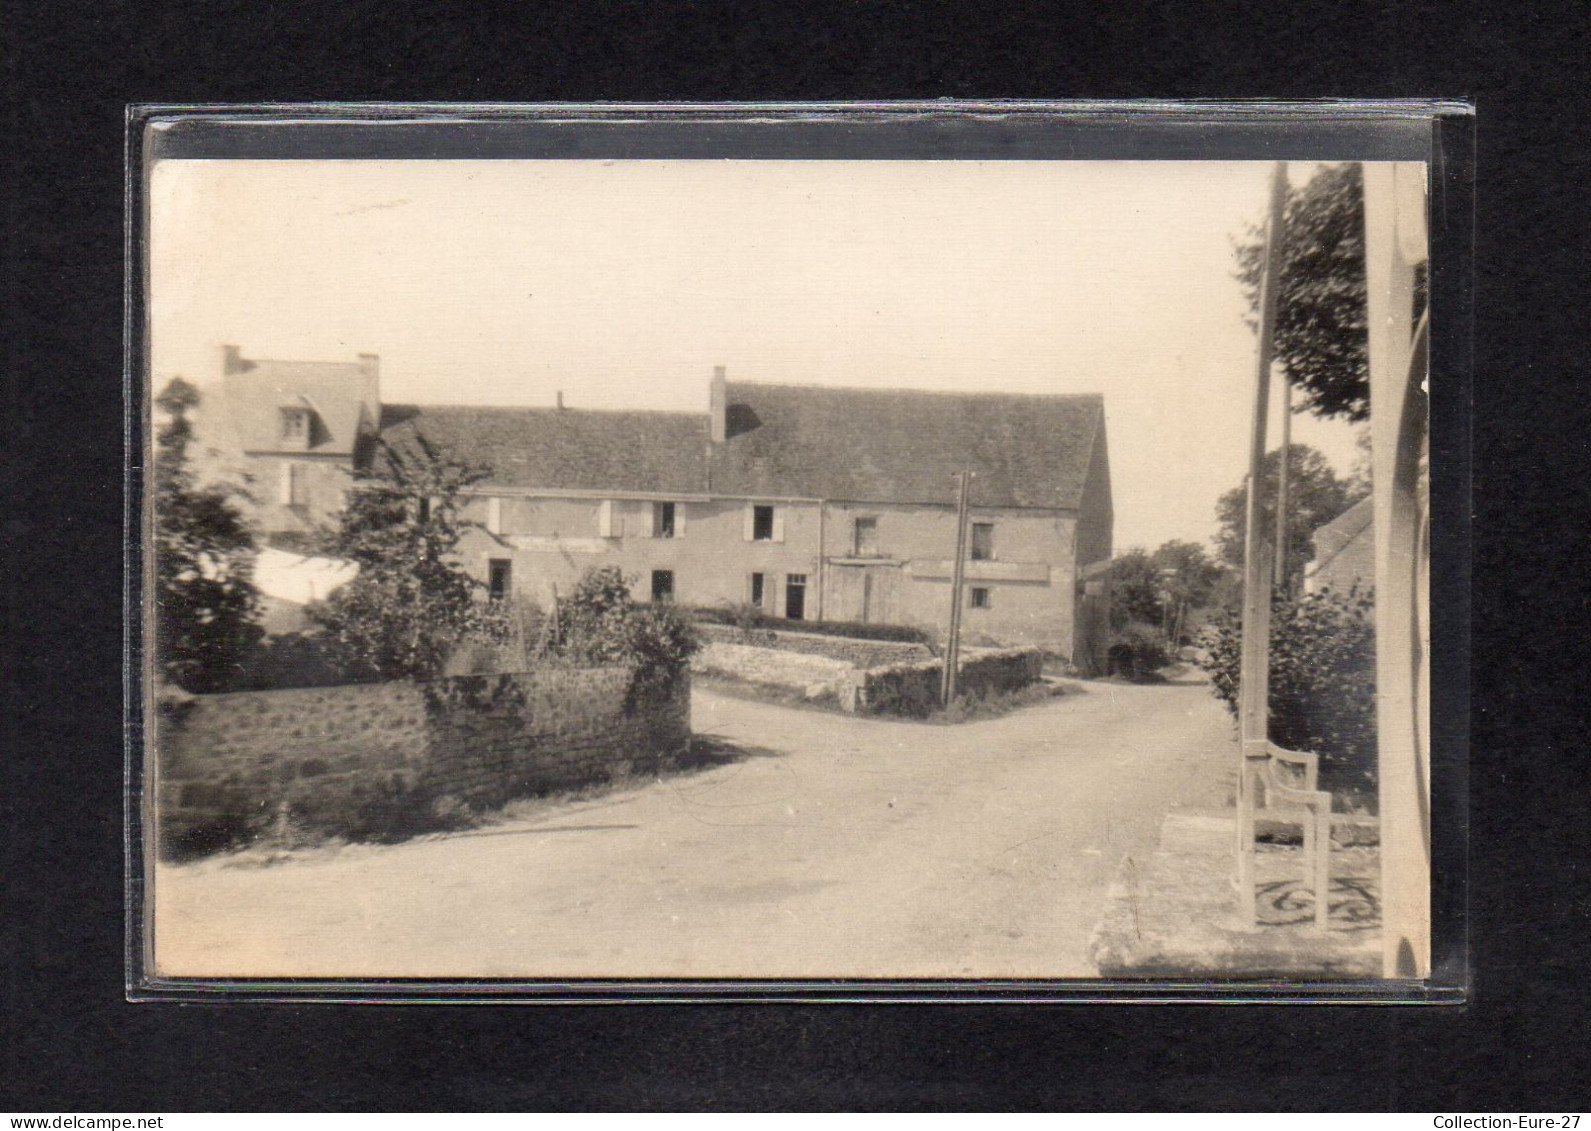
{"x": 856, "y": 653}
{"x": 771, "y": 667}
{"x": 913, "y": 688}
{"x": 375, "y": 760}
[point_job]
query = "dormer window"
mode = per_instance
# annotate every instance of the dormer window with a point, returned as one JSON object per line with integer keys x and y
{"x": 295, "y": 427}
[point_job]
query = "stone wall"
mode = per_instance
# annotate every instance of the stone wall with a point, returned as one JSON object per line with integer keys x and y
{"x": 391, "y": 759}
{"x": 912, "y": 689}
{"x": 772, "y": 667}
{"x": 856, "y": 653}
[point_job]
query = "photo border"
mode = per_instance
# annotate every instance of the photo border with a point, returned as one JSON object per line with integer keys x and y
{"x": 1438, "y": 132}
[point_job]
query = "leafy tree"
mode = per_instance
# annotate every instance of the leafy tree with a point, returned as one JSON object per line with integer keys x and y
{"x": 411, "y": 603}
{"x": 1322, "y": 336}
{"x": 1315, "y": 496}
{"x": 207, "y": 609}
{"x": 1161, "y": 589}
{"x": 1134, "y": 590}
{"x": 1188, "y": 579}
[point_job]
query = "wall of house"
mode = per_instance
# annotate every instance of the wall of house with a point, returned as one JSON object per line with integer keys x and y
{"x": 323, "y": 485}
{"x": 1095, "y": 537}
{"x": 1344, "y": 564}
{"x": 1030, "y": 579}
{"x": 552, "y": 542}
{"x": 373, "y": 759}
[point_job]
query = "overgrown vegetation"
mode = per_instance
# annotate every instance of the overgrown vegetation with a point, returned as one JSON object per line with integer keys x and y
{"x": 601, "y": 624}
{"x": 1137, "y": 652}
{"x": 207, "y": 610}
{"x": 1322, "y": 682}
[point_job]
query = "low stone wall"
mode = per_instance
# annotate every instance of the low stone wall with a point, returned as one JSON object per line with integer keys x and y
{"x": 390, "y": 759}
{"x": 856, "y": 653}
{"x": 912, "y": 689}
{"x": 772, "y": 667}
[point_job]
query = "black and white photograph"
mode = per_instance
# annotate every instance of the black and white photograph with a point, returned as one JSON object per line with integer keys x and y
{"x": 774, "y": 569}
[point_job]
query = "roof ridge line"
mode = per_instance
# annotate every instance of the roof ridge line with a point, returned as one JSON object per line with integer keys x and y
{"x": 545, "y": 408}
{"x": 915, "y": 391}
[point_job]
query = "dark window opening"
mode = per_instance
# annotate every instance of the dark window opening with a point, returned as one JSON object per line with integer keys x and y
{"x": 422, "y": 511}
{"x": 295, "y": 424}
{"x": 662, "y": 585}
{"x": 795, "y": 596}
{"x": 662, "y": 520}
{"x": 983, "y": 541}
{"x": 980, "y": 598}
{"x": 762, "y": 524}
{"x": 864, "y": 543}
{"x": 756, "y": 590}
{"x": 499, "y": 578}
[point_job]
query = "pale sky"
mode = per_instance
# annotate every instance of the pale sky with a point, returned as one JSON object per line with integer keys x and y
{"x": 624, "y": 283}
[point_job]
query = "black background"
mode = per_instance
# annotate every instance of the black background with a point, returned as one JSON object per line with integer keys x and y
{"x": 70, "y": 1043}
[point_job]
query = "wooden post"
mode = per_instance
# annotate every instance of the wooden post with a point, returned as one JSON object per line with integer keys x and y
{"x": 1253, "y": 679}
{"x": 947, "y": 685}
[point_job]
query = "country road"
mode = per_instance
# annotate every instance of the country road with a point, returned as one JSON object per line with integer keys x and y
{"x": 821, "y": 846}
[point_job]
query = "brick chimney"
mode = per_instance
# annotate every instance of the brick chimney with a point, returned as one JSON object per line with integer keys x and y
{"x": 370, "y": 365}
{"x": 718, "y": 406}
{"x": 231, "y": 360}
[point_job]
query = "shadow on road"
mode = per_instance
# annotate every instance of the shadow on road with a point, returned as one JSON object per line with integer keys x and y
{"x": 710, "y": 751}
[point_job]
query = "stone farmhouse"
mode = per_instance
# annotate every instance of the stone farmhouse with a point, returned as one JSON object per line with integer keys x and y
{"x": 807, "y": 502}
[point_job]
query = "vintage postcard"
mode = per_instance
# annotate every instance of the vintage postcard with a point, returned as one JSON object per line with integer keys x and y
{"x": 767, "y": 569}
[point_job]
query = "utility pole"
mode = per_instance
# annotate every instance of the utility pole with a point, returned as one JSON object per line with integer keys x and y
{"x": 1283, "y": 472}
{"x": 1254, "y": 677}
{"x": 958, "y": 576}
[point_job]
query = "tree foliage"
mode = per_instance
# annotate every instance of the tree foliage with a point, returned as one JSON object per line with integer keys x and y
{"x": 600, "y": 624}
{"x": 1134, "y": 589}
{"x": 1322, "y": 336}
{"x": 1322, "y": 682}
{"x": 1161, "y": 589}
{"x": 206, "y": 607}
{"x": 412, "y": 602}
{"x": 1315, "y": 497}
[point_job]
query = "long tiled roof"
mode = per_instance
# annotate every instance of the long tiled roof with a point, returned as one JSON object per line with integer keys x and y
{"x": 561, "y": 448}
{"x": 906, "y": 446}
{"x": 786, "y": 441}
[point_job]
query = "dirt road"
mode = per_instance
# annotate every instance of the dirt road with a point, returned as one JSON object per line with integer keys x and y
{"x": 822, "y": 846}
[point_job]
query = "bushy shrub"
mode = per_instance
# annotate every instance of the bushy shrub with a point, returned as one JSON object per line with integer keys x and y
{"x": 1322, "y": 682}
{"x": 296, "y": 659}
{"x": 1138, "y": 651}
{"x": 600, "y": 624}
